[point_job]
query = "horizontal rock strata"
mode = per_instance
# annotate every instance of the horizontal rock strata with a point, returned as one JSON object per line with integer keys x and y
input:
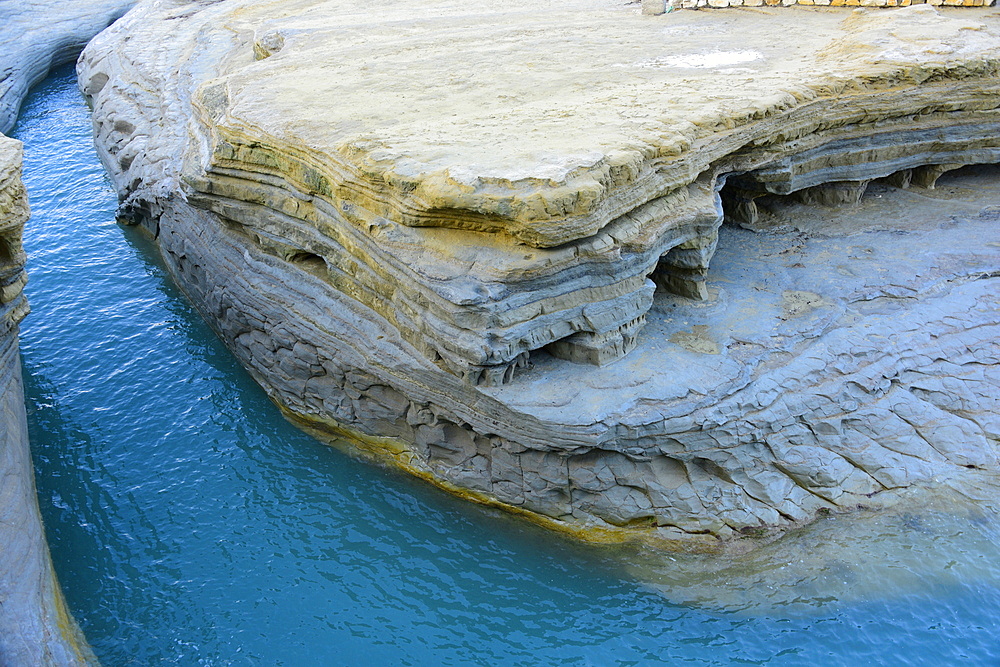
{"x": 656, "y": 7}
{"x": 410, "y": 224}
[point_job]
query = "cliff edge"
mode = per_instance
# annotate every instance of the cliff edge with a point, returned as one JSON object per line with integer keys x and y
{"x": 35, "y": 626}
{"x": 40, "y": 35}
{"x": 489, "y": 244}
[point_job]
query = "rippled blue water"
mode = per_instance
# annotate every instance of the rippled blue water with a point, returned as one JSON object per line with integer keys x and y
{"x": 190, "y": 524}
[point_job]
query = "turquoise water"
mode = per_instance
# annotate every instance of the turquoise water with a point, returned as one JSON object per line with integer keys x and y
{"x": 191, "y": 525}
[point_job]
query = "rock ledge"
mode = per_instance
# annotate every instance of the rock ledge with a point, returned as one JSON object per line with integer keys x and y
{"x": 494, "y": 268}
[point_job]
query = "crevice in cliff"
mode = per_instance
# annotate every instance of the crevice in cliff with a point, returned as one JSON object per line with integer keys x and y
{"x": 308, "y": 261}
{"x": 748, "y": 203}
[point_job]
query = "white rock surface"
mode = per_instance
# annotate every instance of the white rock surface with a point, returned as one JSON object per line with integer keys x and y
{"x": 41, "y": 34}
{"x": 35, "y": 627}
{"x": 384, "y": 214}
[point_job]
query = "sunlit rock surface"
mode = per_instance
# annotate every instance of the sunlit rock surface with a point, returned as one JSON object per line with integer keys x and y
{"x": 41, "y": 34}
{"x": 485, "y": 242}
{"x": 35, "y": 626}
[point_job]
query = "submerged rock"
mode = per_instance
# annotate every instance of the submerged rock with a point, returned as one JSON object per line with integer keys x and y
{"x": 478, "y": 242}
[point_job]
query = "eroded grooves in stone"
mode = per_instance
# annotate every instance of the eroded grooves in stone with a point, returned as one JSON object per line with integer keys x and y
{"x": 415, "y": 248}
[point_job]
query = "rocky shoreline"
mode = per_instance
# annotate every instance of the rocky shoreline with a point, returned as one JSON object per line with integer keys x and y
{"x": 506, "y": 279}
{"x": 36, "y": 628}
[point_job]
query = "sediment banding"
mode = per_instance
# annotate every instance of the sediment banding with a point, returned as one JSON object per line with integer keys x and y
{"x": 398, "y": 243}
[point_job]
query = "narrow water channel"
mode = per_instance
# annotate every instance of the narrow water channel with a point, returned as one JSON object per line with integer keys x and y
{"x": 191, "y": 525}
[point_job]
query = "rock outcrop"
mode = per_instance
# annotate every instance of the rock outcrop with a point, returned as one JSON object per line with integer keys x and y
{"x": 35, "y": 626}
{"x": 656, "y": 7}
{"x": 39, "y": 35}
{"x": 478, "y": 242}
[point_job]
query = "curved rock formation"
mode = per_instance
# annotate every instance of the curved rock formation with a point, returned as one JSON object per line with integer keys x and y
{"x": 40, "y": 35}
{"x": 410, "y": 223}
{"x": 655, "y": 7}
{"x": 35, "y": 626}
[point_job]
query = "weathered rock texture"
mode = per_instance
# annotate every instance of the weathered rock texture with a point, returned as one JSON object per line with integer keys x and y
{"x": 655, "y": 7}
{"x": 35, "y": 628}
{"x": 408, "y": 224}
{"x": 41, "y": 34}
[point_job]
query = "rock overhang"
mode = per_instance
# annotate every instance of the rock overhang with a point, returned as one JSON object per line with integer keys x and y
{"x": 300, "y": 254}
{"x": 565, "y": 160}
{"x": 544, "y": 133}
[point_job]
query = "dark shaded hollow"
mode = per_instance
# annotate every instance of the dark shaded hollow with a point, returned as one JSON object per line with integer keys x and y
{"x": 308, "y": 261}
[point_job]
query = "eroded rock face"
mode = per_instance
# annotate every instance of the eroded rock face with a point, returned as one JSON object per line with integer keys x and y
{"x": 35, "y": 628}
{"x": 41, "y": 34}
{"x": 409, "y": 224}
{"x": 14, "y": 213}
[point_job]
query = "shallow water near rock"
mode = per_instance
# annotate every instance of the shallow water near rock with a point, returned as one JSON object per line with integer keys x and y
{"x": 190, "y": 524}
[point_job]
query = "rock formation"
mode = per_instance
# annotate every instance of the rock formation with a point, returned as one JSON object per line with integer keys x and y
{"x": 42, "y": 34}
{"x": 477, "y": 242}
{"x": 654, "y": 7}
{"x": 35, "y": 626}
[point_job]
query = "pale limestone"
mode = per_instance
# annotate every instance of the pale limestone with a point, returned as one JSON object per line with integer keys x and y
{"x": 36, "y": 629}
{"x": 714, "y": 4}
{"x": 408, "y": 246}
{"x": 654, "y": 7}
{"x": 39, "y": 35}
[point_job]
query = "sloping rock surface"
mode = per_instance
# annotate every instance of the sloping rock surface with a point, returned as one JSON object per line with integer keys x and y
{"x": 35, "y": 627}
{"x": 410, "y": 223}
{"x": 41, "y": 34}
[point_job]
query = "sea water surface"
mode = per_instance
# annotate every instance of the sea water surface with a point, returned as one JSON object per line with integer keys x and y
{"x": 191, "y": 525}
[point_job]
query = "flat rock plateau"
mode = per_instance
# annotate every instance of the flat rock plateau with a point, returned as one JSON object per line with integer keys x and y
{"x": 676, "y": 278}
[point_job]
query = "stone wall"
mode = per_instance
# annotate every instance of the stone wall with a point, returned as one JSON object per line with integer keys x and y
{"x": 353, "y": 251}
{"x": 43, "y": 34}
{"x": 35, "y": 625}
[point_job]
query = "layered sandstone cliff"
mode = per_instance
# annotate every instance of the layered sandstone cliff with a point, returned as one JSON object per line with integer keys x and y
{"x": 479, "y": 241}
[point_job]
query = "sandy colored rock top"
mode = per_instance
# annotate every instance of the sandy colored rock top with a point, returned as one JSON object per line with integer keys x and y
{"x": 541, "y": 110}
